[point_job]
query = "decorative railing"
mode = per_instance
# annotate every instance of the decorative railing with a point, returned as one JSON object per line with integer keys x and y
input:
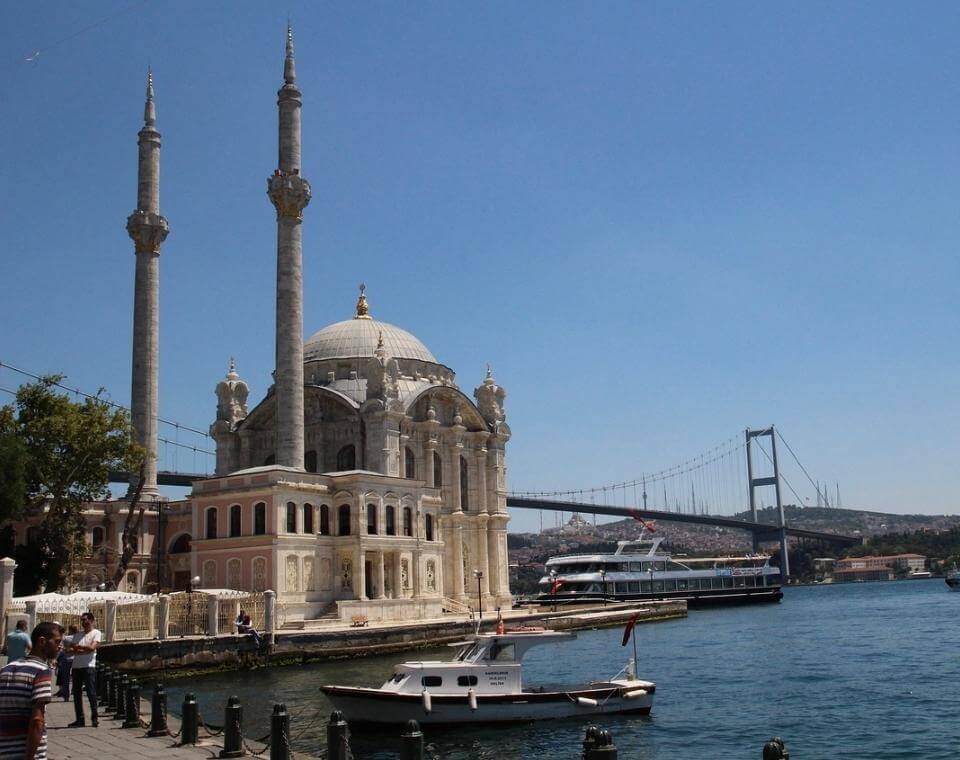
{"x": 188, "y": 614}
{"x": 136, "y": 621}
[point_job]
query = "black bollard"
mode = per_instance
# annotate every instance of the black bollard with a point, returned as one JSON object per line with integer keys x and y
{"x": 99, "y": 681}
{"x": 133, "y": 705}
{"x": 605, "y": 749}
{"x": 158, "y": 712}
{"x": 775, "y": 749}
{"x": 103, "y": 679}
{"x": 411, "y": 742}
{"x": 121, "y": 713}
{"x": 232, "y": 729}
{"x": 590, "y": 741}
{"x": 112, "y": 682}
{"x": 188, "y": 728}
{"x": 280, "y": 733}
{"x": 338, "y": 747}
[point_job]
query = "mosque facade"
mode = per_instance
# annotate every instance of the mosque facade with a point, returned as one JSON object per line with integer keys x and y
{"x": 364, "y": 483}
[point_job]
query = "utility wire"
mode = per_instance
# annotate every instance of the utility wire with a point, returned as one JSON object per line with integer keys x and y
{"x": 99, "y": 398}
{"x": 797, "y": 460}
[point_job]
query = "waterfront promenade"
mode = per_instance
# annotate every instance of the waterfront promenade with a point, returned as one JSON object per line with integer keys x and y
{"x": 111, "y": 742}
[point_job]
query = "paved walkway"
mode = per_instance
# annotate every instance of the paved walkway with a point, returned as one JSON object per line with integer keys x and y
{"x": 111, "y": 742}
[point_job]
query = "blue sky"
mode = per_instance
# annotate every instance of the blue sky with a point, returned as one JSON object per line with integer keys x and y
{"x": 661, "y": 223}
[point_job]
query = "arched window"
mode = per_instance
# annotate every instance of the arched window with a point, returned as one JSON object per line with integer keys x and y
{"x": 343, "y": 520}
{"x": 391, "y": 521}
{"x": 324, "y": 520}
{"x": 428, "y": 527}
{"x": 235, "y": 520}
{"x": 291, "y": 517}
{"x": 212, "y": 522}
{"x": 310, "y": 461}
{"x": 272, "y": 459}
{"x": 464, "y": 484}
{"x": 372, "y": 519}
{"x": 347, "y": 458}
{"x": 259, "y": 519}
{"x": 308, "y": 518}
{"x": 409, "y": 463}
{"x": 437, "y": 470}
{"x": 98, "y": 534}
{"x": 181, "y": 545}
{"x": 407, "y": 521}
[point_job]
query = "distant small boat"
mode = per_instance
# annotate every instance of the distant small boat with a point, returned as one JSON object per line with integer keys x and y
{"x": 953, "y": 580}
{"x": 917, "y": 574}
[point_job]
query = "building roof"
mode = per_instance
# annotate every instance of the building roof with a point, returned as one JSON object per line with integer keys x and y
{"x": 358, "y": 338}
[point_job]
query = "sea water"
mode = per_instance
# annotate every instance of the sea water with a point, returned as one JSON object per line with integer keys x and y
{"x": 865, "y": 670}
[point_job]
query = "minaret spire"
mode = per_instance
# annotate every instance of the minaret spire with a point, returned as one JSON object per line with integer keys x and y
{"x": 289, "y": 65}
{"x": 148, "y": 230}
{"x": 290, "y": 194}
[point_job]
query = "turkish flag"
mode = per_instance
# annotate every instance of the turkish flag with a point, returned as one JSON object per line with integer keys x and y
{"x": 629, "y": 629}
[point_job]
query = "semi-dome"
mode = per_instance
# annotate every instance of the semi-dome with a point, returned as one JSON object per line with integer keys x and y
{"x": 359, "y": 337}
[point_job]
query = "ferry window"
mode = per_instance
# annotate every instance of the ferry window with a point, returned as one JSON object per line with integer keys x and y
{"x": 621, "y": 588}
{"x": 669, "y": 585}
{"x": 727, "y": 582}
{"x": 681, "y": 585}
{"x": 671, "y": 565}
{"x": 645, "y": 587}
{"x": 466, "y": 680}
{"x": 661, "y": 566}
{"x": 636, "y": 567}
{"x": 502, "y": 652}
{"x": 634, "y": 586}
{"x": 739, "y": 581}
{"x": 431, "y": 681}
{"x": 657, "y": 586}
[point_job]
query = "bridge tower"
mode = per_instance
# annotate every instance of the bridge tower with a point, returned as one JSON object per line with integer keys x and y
{"x": 774, "y": 481}
{"x": 148, "y": 230}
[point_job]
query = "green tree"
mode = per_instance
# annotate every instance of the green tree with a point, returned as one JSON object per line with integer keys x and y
{"x": 55, "y": 456}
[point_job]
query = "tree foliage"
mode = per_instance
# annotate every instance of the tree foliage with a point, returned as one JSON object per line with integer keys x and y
{"x": 55, "y": 456}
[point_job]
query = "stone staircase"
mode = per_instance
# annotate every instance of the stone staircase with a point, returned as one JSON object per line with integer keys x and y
{"x": 329, "y": 616}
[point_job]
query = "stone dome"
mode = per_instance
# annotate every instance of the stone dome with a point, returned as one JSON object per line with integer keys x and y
{"x": 358, "y": 338}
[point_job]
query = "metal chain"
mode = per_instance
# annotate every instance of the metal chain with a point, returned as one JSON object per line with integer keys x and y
{"x": 206, "y": 727}
{"x": 166, "y": 724}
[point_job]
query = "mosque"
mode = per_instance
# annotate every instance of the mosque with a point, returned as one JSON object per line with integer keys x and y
{"x": 365, "y": 482}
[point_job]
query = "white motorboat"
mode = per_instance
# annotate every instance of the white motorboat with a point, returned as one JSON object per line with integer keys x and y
{"x": 953, "y": 580}
{"x": 483, "y": 684}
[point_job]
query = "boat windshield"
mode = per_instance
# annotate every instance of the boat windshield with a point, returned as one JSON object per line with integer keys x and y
{"x": 466, "y": 651}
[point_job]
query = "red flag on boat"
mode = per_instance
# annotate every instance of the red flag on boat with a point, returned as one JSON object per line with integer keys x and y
{"x": 648, "y": 525}
{"x": 499, "y": 623}
{"x": 628, "y": 631}
{"x": 556, "y": 587}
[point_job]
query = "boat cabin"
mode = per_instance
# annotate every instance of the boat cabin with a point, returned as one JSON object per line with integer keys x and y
{"x": 488, "y": 663}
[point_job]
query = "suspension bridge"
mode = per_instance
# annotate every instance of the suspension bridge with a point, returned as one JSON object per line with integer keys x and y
{"x": 727, "y": 486}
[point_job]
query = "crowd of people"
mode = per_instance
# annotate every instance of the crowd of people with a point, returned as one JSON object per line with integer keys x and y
{"x": 34, "y": 663}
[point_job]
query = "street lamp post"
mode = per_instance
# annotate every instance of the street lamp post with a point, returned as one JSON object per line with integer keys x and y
{"x": 479, "y": 574}
{"x": 651, "y": 580}
{"x": 553, "y": 588}
{"x": 191, "y": 584}
{"x": 603, "y": 585}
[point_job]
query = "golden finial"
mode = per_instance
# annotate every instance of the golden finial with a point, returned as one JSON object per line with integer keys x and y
{"x": 363, "y": 311}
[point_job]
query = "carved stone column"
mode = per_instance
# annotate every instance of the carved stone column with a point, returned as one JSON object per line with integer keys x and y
{"x": 456, "y": 530}
{"x": 379, "y": 576}
{"x": 483, "y": 561}
{"x": 360, "y": 575}
{"x": 415, "y": 561}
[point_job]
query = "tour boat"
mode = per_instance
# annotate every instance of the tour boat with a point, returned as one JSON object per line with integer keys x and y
{"x": 953, "y": 580}
{"x": 483, "y": 684}
{"x": 637, "y": 570}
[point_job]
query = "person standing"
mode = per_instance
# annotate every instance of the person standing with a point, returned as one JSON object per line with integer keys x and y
{"x": 17, "y": 645}
{"x": 65, "y": 663}
{"x": 25, "y": 690}
{"x": 85, "y": 670}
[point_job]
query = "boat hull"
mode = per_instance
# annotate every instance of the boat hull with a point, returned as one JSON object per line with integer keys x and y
{"x": 374, "y": 706}
{"x": 953, "y": 582}
{"x": 693, "y": 599}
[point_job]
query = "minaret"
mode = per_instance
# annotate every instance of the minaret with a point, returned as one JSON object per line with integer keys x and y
{"x": 290, "y": 194}
{"x": 148, "y": 230}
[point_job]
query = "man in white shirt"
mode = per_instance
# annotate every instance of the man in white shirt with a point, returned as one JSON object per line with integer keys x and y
{"x": 85, "y": 670}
